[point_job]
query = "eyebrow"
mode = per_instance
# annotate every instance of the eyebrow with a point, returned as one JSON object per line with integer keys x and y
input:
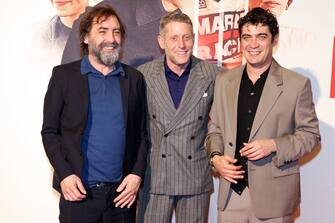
{"x": 258, "y": 34}
{"x": 106, "y": 28}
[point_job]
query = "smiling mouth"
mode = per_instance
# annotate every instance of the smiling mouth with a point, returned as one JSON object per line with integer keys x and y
{"x": 181, "y": 53}
{"x": 254, "y": 53}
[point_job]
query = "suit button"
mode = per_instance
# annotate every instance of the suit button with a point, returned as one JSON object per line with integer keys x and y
{"x": 154, "y": 116}
{"x": 163, "y": 155}
{"x": 192, "y": 137}
{"x": 166, "y": 135}
{"x": 200, "y": 117}
{"x": 189, "y": 157}
{"x": 230, "y": 144}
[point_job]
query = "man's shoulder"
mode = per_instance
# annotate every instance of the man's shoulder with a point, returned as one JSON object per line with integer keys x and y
{"x": 147, "y": 68}
{"x": 131, "y": 71}
{"x": 230, "y": 74}
{"x": 67, "y": 69}
{"x": 208, "y": 69}
{"x": 69, "y": 66}
{"x": 291, "y": 77}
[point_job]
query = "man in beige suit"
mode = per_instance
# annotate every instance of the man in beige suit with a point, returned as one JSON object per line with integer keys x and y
{"x": 180, "y": 91}
{"x": 261, "y": 122}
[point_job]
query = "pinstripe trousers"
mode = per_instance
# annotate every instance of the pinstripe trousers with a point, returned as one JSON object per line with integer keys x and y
{"x": 156, "y": 208}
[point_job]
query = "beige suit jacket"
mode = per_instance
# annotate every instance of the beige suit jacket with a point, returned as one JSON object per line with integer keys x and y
{"x": 286, "y": 114}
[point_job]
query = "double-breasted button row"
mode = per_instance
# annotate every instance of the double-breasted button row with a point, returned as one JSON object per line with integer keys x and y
{"x": 189, "y": 157}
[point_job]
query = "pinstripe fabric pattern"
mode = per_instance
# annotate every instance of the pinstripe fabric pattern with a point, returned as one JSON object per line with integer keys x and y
{"x": 189, "y": 208}
{"x": 178, "y": 163}
{"x": 178, "y": 160}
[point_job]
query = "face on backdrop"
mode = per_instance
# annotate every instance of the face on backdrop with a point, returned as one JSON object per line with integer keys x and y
{"x": 71, "y": 8}
{"x": 257, "y": 44}
{"x": 104, "y": 41}
{"x": 277, "y": 7}
{"x": 177, "y": 41}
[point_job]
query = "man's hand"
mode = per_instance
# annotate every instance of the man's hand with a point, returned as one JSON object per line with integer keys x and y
{"x": 258, "y": 149}
{"x": 224, "y": 165}
{"x": 72, "y": 188}
{"x": 129, "y": 187}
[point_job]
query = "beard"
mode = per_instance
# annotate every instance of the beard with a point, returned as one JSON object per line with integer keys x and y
{"x": 107, "y": 58}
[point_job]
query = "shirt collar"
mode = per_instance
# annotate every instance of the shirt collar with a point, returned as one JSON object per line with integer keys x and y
{"x": 170, "y": 73}
{"x": 262, "y": 76}
{"x": 86, "y": 68}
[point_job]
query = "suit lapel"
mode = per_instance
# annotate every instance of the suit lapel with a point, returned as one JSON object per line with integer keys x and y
{"x": 83, "y": 88}
{"x": 160, "y": 91}
{"x": 124, "y": 86}
{"x": 232, "y": 92}
{"x": 271, "y": 92}
{"x": 195, "y": 88}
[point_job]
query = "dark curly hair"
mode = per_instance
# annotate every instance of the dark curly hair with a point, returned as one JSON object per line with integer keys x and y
{"x": 261, "y": 16}
{"x": 98, "y": 15}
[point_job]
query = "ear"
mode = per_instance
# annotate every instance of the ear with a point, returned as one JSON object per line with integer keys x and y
{"x": 275, "y": 40}
{"x": 86, "y": 39}
{"x": 160, "y": 40}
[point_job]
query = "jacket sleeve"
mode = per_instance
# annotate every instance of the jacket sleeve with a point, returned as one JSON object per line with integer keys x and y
{"x": 142, "y": 136}
{"x": 306, "y": 134}
{"x": 214, "y": 140}
{"x": 51, "y": 133}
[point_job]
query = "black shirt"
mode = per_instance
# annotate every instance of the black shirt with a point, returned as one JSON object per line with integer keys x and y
{"x": 248, "y": 99}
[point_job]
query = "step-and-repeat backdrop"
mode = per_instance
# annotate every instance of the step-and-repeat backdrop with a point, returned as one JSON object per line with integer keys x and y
{"x": 33, "y": 37}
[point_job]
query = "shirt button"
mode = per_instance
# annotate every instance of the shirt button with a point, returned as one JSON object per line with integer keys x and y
{"x": 166, "y": 135}
{"x": 249, "y": 111}
{"x": 154, "y": 116}
{"x": 189, "y": 157}
{"x": 252, "y": 93}
{"x": 163, "y": 155}
{"x": 192, "y": 137}
{"x": 200, "y": 117}
{"x": 248, "y": 128}
{"x": 230, "y": 144}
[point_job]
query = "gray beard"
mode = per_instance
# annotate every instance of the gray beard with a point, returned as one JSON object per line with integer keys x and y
{"x": 107, "y": 59}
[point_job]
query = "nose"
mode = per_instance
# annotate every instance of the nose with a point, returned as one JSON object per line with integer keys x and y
{"x": 254, "y": 43}
{"x": 181, "y": 43}
{"x": 110, "y": 37}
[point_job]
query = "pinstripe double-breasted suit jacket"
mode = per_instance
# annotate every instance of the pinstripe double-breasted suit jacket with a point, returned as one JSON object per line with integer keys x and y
{"x": 177, "y": 159}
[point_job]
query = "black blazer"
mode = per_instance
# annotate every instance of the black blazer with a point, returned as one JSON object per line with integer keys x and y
{"x": 65, "y": 115}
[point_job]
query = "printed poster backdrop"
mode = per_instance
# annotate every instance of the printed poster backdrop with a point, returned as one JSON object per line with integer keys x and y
{"x": 306, "y": 45}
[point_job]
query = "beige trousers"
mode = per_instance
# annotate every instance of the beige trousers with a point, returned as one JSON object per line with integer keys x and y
{"x": 239, "y": 210}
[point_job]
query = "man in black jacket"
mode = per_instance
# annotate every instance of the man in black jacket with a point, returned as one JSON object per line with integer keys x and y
{"x": 94, "y": 126}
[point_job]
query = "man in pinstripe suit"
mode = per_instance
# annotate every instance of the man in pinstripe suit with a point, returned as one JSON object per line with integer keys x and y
{"x": 179, "y": 94}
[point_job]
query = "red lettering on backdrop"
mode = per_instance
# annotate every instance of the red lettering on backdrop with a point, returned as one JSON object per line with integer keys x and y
{"x": 332, "y": 85}
{"x": 208, "y": 38}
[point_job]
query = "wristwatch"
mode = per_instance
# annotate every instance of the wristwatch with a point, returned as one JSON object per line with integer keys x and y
{"x": 215, "y": 153}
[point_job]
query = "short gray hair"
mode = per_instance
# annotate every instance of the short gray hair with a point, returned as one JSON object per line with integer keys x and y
{"x": 175, "y": 16}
